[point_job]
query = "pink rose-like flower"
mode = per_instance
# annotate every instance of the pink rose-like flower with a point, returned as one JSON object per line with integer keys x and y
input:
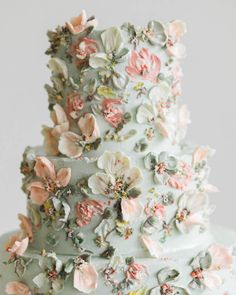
{"x": 144, "y": 65}
{"x": 80, "y": 23}
{"x": 82, "y": 49}
{"x": 17, "y": 288}
{"x": 85, "y": 277}
{"x": 86, "y": 210}
{"x": 74, "y": 104}
{"x": 26, "y": 226}
{"x": 112, "y": 114}
{"x": 182, "y": 178}
{"x": 136, "y": 272}
{"x": 16, "y": 246}
{"x": 50, "y": 181}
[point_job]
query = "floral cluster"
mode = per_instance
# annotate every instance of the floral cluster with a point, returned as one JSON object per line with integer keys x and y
{"x": 118, "y": 183}
{"x": 93, "y": 75}
{"x": 168, "y": 170}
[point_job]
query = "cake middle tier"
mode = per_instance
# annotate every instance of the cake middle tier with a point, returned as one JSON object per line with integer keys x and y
{"x": 137, "y": 204}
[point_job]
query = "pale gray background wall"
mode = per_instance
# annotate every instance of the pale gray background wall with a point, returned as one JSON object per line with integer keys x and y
{"x": 208, "y": 86}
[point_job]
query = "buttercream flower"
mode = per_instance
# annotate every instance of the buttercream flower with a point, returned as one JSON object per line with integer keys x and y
{"x": 158, "y": 106}
{"x": 86, "y": 210}
{"x": 74, "y": 104}
{"x": 192, "y": 212}
{"x": 111, "y": 112}
{"x": 206, "y": 267}
{"x": 136, "y": 272}
{"x": 161, "y": 112}
{"x": 175, "y": 30}
{"x": 144, "y": 65}
{"x": 50, "y": 180}
{"x": 154, "y": 208}
{"x": 17, "y": 288}
{"x": 182, "y": 178}
{"x": 151, "y": 246}
{"x": 82, "y": 49}
{"x": 72, "y": 144}
{"x": 114, "y": 52}
{"x": 118, "y": 181}
{"x": 26, "y": 226}
{"x": 164, "y": 167}
{"x": 85, "y": 277}
{"x": 52, "y": 135}
{"x": 80, "y": 23}
{"x": 17, "y": 246}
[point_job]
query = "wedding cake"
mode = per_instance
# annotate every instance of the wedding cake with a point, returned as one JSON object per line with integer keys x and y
{"x": 117, "y": 199}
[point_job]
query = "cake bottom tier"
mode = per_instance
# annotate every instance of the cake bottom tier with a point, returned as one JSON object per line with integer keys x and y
{"x": 188, "y": 272}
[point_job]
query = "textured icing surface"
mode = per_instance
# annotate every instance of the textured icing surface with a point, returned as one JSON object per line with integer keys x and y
{"x": 117, "y": 201}
{"x": 179, "y": 261}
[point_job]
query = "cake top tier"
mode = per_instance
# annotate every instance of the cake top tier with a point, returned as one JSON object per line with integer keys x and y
{"x": 108, "y": 84}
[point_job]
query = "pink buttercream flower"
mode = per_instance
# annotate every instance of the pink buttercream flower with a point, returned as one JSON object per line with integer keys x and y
{"x": 72, "y": 145}
{"x": 17, "y": 288}
{"x": 50, "y": 181}
{"x": 26, "y": 226}
{"x": 74, "y": 104}
{"x": 155, "y": 209}
{"x": 221, "y": 259}
{"x": 112, "y": 114}
{"x": 16, "y": 246}
{"x": 182, "y": 178}
{"x": 85, "y": 277}
{"x": 86, "y": 210}
{"x": 136, "y": 272}
{"x": 81, "y": 23}
{"x": 144, "y": 65}
{"x": 82, "y": 50}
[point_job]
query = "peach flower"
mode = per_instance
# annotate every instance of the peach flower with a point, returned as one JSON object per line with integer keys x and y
{"x": 51, "y": 135}
{"x": 16, "y": 246}
{"x": 17, "y": 288}
{"x": 86, "y": 210}
{"x": 72, "y": 144}
{"x": 85, "y": 277}
{"x": 112, "y": 114}
{"x": 26, "y": 226}
{"x": 144, "y": 65}
{"x": 81, "y": 23}
{"x": 50, "y": 181}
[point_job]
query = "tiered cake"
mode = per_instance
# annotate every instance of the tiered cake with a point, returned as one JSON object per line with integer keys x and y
{"x": 117, "y": 201}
